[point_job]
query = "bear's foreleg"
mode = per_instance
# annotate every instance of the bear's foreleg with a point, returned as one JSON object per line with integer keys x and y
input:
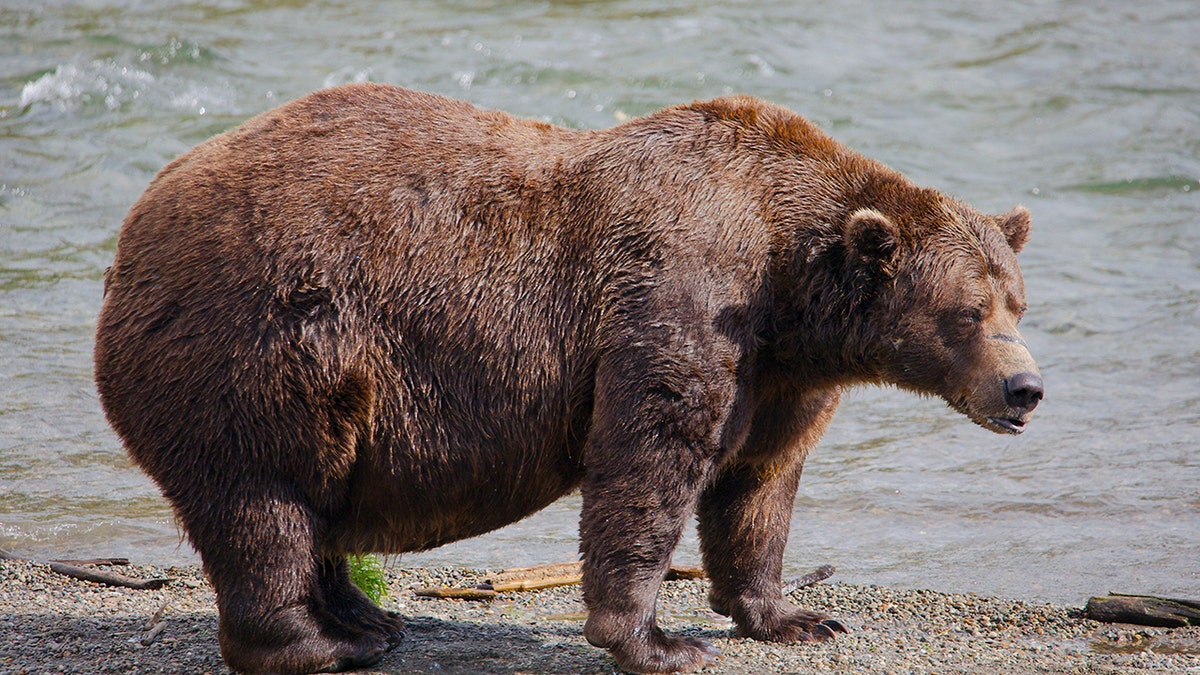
{"x": 627, "y": 551}
{"x": 651, "y": 449}
{"x": 745, "y": 515}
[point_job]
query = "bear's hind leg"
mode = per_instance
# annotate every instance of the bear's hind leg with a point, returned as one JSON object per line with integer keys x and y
{"x": 259, "y": 552}
{"x": 352, "y": 607}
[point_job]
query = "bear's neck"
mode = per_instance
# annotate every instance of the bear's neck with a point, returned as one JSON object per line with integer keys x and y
{"x": 823, "y": 332}
{"x": 824, "y": 309}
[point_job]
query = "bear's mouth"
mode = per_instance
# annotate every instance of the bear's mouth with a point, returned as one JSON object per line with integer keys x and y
{"x": 1011, "y": 425}
{"x": 1001, "y": 424}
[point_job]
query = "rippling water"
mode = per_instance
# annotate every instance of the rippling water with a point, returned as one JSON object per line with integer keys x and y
{"x": 1089, "y": 113}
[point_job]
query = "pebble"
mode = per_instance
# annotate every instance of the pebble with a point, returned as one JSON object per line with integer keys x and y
{"x": 54, "y": 624}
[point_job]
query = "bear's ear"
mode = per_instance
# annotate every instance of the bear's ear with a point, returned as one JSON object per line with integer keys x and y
{"x": 1015, "y": 225}
{"x": 872, "y": 237}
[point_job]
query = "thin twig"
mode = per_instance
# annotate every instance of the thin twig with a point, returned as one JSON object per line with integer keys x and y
{"x": 456, "y": 593}
{"x": 151, "y": 635}
{"x": 98, "y": 576}
{"x": 816, "y": 576}
{"x": 93, "y": 561}
{"x": 108, "y": 578}
{"x": 157, "y": 618}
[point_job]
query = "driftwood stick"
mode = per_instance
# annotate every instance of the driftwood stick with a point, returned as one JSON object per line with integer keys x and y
{"x": 98, "y": 576}
{"x": 93, "y": 561}
{"x": 108, "y": 578}
{"x": 533, "y": 584}
{"x": 456, "y": 593}
{"x": 1193, "y": 604}
{"x": 154, "y": 626}
{"x": 527, "y": 574}
{"x": 816, "y": 576}
{"x": 562, "y": 574}
{"x": 150, "y": 636}
{"x": 682, "y": 572}
{"x": 1144, "y": 610}
{"x": 534, "y": 578}
{"x": 157, "y": 618}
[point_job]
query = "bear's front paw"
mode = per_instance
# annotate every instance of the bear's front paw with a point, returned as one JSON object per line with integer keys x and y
{"x": 650, "y": 650}
{"x": 798, "y": 625}
{"x": 664, "y": 653}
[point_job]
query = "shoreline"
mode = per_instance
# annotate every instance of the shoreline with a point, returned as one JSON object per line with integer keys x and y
{"x": 55, "y": 624}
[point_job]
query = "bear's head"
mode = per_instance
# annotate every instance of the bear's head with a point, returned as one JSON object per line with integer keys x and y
{"x": 948, "y": 299}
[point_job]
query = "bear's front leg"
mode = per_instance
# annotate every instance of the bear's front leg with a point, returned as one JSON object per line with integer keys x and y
{"x": 627, "y": 545}
{"x": 650, "y": 451}
{"x": 745, "y": 515}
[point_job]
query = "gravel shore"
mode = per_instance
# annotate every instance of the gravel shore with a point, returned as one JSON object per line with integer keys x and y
{"x": 54, "y": 624}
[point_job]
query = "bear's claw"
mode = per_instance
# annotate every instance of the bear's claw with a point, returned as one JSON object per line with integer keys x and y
{"x": 835, "y": 626}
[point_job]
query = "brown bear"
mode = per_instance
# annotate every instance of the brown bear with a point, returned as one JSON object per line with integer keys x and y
{"x": 376, "y": 320}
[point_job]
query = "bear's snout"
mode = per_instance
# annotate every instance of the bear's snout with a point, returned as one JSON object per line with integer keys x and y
{"x": 1023, "y": 391}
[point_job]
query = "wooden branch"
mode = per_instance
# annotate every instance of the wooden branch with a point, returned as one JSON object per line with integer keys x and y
{"x": 97, "y": 576}
{"x": 108, "y": 578}
{"x": 154, "y": 626}
{"x": 534, "y": 578}
{"x": 529, "y": 574}
{"x": 157, "y": 618}
{"x": 682, "y": 572}
{"x": 1144, "y": 610}
{"x": 816, "y": 576}
{"x": 533, "y": 584}
{"x": 563, "y": 574}
{"x": 149, "y": 637}
{"x": 456, "y": 593}
{"x": 92, "y": 561}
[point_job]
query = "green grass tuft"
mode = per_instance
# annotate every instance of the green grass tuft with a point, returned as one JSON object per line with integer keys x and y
{"x": 367, "y": 573}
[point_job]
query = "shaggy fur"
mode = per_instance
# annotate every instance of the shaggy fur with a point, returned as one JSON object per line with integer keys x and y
{"x": 376, "y": 320}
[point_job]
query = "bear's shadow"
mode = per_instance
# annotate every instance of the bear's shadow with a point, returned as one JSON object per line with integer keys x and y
{"x": 435, "y": 645}
{"x": 188, "y": 643}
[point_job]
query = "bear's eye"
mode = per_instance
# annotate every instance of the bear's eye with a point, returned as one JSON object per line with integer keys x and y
{"x": 971, "y": 316}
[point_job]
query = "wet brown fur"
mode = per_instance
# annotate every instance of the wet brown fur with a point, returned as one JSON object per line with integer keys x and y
{"x": 375, "y": 320}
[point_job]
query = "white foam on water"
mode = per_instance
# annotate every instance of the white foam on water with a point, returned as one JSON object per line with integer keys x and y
{"x": 71, "y": 86}
{"x": 347, "y": 75}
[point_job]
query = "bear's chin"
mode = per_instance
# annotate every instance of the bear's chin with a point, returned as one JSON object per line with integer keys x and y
{"x": 1004, "y": 425}
{"x": 1000, "y": 424}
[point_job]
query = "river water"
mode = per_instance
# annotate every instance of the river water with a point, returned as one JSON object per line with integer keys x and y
{"x": 1088, "y": 113}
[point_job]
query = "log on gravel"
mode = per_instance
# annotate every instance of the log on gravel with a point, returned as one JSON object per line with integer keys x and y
{"x": 1144, "y": 610}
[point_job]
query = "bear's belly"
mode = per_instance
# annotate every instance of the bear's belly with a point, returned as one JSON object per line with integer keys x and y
{"x": 417, "y": 503}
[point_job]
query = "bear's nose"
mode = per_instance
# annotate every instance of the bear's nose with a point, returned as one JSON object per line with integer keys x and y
{"x": 1023, "y": 391}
